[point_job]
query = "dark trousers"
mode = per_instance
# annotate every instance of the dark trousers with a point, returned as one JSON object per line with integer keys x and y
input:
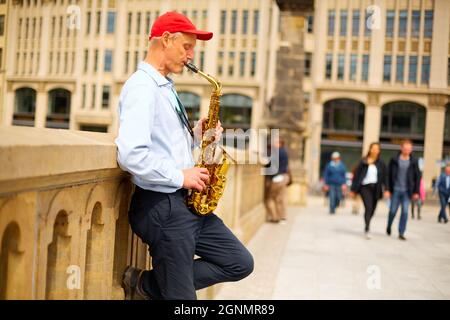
{"x": 444, "y": 202}
{"x": 370, "y": 200}
{"x": 175, "y": 235}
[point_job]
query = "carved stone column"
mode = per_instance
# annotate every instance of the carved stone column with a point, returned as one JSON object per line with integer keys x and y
{"x": 286, "y": 110}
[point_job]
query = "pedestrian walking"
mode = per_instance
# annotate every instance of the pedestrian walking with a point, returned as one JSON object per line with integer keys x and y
{"x": 335, "y": 181}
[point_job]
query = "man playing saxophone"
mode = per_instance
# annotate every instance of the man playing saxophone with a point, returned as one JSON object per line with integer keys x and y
{"x": 155, "y": 146}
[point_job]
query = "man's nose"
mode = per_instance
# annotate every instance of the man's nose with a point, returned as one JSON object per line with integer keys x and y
{"x": 190, "y": 54}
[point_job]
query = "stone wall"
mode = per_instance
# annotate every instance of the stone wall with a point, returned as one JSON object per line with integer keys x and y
{"x": 64, "y": 230}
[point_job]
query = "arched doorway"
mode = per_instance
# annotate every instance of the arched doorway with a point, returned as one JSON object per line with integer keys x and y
{"x": 58, "y": 115}
{"x": 342, "y": 131}
{"x": 446, "y": 148}
{"x": 191, "y": 102}
{"x": 402, "y": 120}
{"x": 236, "y": 113}
{"x": 24, "y": 107}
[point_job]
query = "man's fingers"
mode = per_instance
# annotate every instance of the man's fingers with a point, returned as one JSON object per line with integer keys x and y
{"x": 203, "y": 170}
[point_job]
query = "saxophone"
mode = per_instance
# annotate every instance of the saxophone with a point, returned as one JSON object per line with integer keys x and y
{"x": 206, "y": 201}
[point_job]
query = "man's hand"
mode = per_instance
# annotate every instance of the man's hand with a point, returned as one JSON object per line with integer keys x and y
{"x": 415, "y": 196}
{"x": 198, "y": 131}
{"x": 387, "y": 194}
{"x": 195, "y": 178}
{"x": 325, "y": 188}
{"x": 344, "y": 188}
{"x": 352, "y": 195}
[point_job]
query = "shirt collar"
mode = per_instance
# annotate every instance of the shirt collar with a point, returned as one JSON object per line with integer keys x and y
{"x": 152, "y": 72}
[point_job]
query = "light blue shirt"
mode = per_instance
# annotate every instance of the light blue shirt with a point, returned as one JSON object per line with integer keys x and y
{"x": 153, "y": 144}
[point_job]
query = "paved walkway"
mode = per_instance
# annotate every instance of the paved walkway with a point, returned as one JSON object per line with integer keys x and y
{"x": 319, "y": 256}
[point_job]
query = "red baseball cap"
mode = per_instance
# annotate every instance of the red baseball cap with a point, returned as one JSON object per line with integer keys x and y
{"x": 176, "y": 22}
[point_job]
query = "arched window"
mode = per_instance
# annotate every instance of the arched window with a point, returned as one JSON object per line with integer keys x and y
{"x": 24, "y": 107}
{"x": 191, "y": 102}
{"x": 447, "y": 123}
{"x": 58, "y": 115}
{"x": 343, "y": 115}
{"x": 403, "y": 120}
{"x": 236, "y": 111}
{"x": 446, "y": 149}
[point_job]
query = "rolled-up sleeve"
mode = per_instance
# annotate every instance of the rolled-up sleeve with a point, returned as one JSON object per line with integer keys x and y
{"x": 134, "y": 140}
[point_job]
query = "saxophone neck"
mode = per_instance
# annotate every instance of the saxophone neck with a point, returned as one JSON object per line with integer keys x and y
{"x": 217, "y": 85}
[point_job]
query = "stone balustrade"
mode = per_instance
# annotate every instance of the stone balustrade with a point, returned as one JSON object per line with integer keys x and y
{"x": 64, "y": 231}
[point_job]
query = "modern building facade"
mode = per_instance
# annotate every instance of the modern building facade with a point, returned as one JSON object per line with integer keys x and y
{"x": 380, "y": 72}
{"x": 68, "y": 60}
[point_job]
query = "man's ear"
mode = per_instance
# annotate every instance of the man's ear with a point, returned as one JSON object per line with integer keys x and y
{"x": 165, "y": 38}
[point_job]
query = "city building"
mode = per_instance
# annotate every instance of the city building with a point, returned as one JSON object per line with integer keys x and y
{"x": 68, "y": 60}
{"x": 380, "y": 72}
{"x": 3, "y": 33}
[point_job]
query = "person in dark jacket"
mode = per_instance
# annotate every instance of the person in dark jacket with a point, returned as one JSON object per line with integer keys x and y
{"x": 403, "y": 184}
{"x": 276, "y": 197}
{"x": 335, "y": 180}
{"x": 369, "y": 181}
{"x": 444, "y": 193}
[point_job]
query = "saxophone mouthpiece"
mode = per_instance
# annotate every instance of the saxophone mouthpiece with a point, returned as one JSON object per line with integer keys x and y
{"x": 191, "y": 67}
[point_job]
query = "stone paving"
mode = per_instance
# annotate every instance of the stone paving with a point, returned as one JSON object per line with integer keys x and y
{"x": 320, "y": 256}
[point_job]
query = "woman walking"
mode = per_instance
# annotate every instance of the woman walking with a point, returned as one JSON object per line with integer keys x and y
{"x": 369, "y": 181}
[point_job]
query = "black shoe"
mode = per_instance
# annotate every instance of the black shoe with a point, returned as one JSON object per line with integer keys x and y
{"x": 401, "y": 237}
{"x": 388, "y": 231}
{"x": 132, "y": 284}
{"x": 446, "y": 221}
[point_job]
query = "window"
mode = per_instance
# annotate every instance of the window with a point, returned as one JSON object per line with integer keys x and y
{"x": 60, "y": 27}
{"x": 343, "y": 28}
{"x": 127, "y": 61}
{"x": 390, "y": 16}
{"x": 428, "y": 30}
{"x": 202, "y": 60}
{"x": 96, "y": 60}
{"x": 242, "y": 64}
{"x": 108, "y": 61}
{"x": 355, "y": 23}
{"x": 353, "y": 62}
{"x": 341, "y": 65}
{"x": 230, "y": 63}
{"x": 99, "y": 21}
{"x": 415, "y": 24}
{"x": 328, "y": 65}
{"x": 223, "y": 21}
{"x": 310, "y": 19}
{"x": 111, "y": 22}
{"x": 448, "y": 72}
{"x": 136, "y": 59}
{"x": 244, "y": 21}
{"x": 220, "y": 62}
{"x": 233, "y": 21}
{"x": 365, "y": 68}
{"x": 253, "y": 65}
{"x": 130, "y": 19}
{"x": 94, "y": 128}
{"x": 1, "y": 58}
{"x": 307, "y": 66}
{"x": 404, "y": 118}
{"x": 425, "y": 69}
{"x": 236, "y": 111}
{"x": 412, "y": 77}
{"x": 94, "y": 87}
{"x": 88, "y": 24}
{"x": 331, "y": 18}
{"x": 387, "y": 68}
{"x": 138, "y": 23}
{"x": 83, "y": 100}
{"x": 147, "y": 22}
{"x": 402, "y": 23}
{"x": 105, "y": 97}
{"x": 255, "y": 21}
{"x": 86, "y": 57}
{"x": 400, "y": 69}
{"x": 343, "y": 115}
